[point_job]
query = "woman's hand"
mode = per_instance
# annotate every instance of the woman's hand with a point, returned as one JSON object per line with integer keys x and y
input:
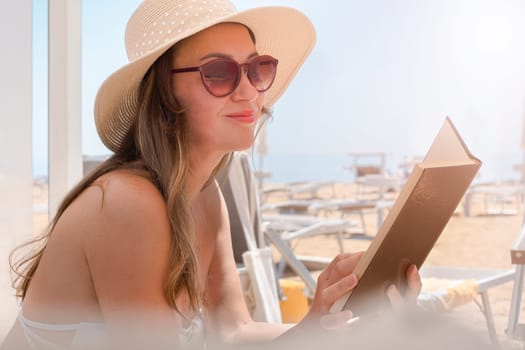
{"x": 409, "y": 298}
{"x": 333, "y": 283}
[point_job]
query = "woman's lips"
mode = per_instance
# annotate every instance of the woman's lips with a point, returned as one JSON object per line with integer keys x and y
{"x": 243, "y": 117}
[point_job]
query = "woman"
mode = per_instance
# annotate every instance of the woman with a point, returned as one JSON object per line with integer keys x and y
{"x": 140, "y": 251}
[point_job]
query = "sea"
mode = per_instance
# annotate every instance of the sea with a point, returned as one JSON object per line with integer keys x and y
{"x": 286, "y": 168}
{"x": 496, "y": 167}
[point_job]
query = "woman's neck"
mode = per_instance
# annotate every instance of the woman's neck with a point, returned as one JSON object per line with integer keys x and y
{"x": 200, "y": 170}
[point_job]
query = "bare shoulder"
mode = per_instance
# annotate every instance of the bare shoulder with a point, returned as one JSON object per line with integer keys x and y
{"x": 116, "y": 198}
{"x": 124, "y": 190}
{"x": 122, "y": 207}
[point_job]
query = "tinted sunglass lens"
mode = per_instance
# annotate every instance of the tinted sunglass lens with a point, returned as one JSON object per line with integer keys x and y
{"x": 220, "y": 76}
{"x": 262, "y": 72}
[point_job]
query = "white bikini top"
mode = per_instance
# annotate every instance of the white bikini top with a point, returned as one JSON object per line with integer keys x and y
{"x": 91, "y": 335}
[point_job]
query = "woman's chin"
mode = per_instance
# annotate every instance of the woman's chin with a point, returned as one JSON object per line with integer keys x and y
{"x": 242, "y": 145}
{"x": 242, "y": 148}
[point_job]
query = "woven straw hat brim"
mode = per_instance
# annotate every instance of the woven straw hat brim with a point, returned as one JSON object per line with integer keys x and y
{"x": 282, "y": 32}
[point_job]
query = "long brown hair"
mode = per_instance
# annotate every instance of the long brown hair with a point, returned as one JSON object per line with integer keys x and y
{"x": 156, "y": 147}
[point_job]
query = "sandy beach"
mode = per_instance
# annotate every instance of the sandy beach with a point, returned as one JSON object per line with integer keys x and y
{"x": 478, "y": 241}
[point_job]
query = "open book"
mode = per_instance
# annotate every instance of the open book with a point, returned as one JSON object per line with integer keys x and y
{"x": 425, "y": 204}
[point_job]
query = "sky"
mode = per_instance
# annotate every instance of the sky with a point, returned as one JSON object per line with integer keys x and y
{"x": 382, "y": 77}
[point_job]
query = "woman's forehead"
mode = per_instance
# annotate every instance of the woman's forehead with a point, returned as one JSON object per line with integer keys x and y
{"x": 225, "y": 38}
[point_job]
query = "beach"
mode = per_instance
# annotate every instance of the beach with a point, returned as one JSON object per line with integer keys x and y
{"x": 478, "y": 241}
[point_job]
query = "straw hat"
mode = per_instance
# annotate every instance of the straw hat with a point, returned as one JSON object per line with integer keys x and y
{"x": 156, "y": 25}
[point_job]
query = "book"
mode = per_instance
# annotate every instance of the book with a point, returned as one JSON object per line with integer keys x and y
{"x": 425, "y": 203}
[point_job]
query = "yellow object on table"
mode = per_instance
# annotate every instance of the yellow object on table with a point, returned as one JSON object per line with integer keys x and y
{"x": 295, "y": 306}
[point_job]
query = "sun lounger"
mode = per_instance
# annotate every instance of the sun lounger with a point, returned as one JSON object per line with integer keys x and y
{"x": 302, "y": 189}
{"x": 485, "y": 279}
{"x": 310, "y": 189}
{"x": 280, "y": 230}
{"x": 497, "y": 199}
{"x": 515, "y": 329}
{"x": 367, "y": 163}
{"x": 345, "y": 207}
{"x": 458, "y": 286}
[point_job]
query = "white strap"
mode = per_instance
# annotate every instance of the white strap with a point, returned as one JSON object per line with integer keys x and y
{"x": 62, "y": 327}
{"x": 35, "y": 340}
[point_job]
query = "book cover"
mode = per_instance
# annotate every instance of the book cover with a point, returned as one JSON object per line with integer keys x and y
{"x": 421, "y": 211}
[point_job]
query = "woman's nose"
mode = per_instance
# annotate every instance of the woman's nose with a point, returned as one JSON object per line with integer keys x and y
{"x": 245, "y": 90}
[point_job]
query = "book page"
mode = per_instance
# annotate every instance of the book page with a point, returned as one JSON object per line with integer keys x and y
{"x": 448, "y": 146}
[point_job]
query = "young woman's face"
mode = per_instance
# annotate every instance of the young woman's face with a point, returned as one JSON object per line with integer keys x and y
{"x": 217, "y": 124}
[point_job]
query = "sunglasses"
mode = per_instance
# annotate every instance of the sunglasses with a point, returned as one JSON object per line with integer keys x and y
{"x": 222, "y": 75}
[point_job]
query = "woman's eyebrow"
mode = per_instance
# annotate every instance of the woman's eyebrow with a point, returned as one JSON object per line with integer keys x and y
{"x": 254, "y": 54}
{"x": 223, "y": 55}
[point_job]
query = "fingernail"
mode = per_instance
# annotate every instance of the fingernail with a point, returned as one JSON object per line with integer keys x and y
{"x": 351, "y": 280}
{"x": 390, "y": 289}
{"x": 352, "y": 320}
{"x": 347, "y": 314}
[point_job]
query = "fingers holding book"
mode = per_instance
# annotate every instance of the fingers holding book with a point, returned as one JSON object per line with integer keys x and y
{"x": 408, "y": 298}
{"x": 335, "y": 281}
